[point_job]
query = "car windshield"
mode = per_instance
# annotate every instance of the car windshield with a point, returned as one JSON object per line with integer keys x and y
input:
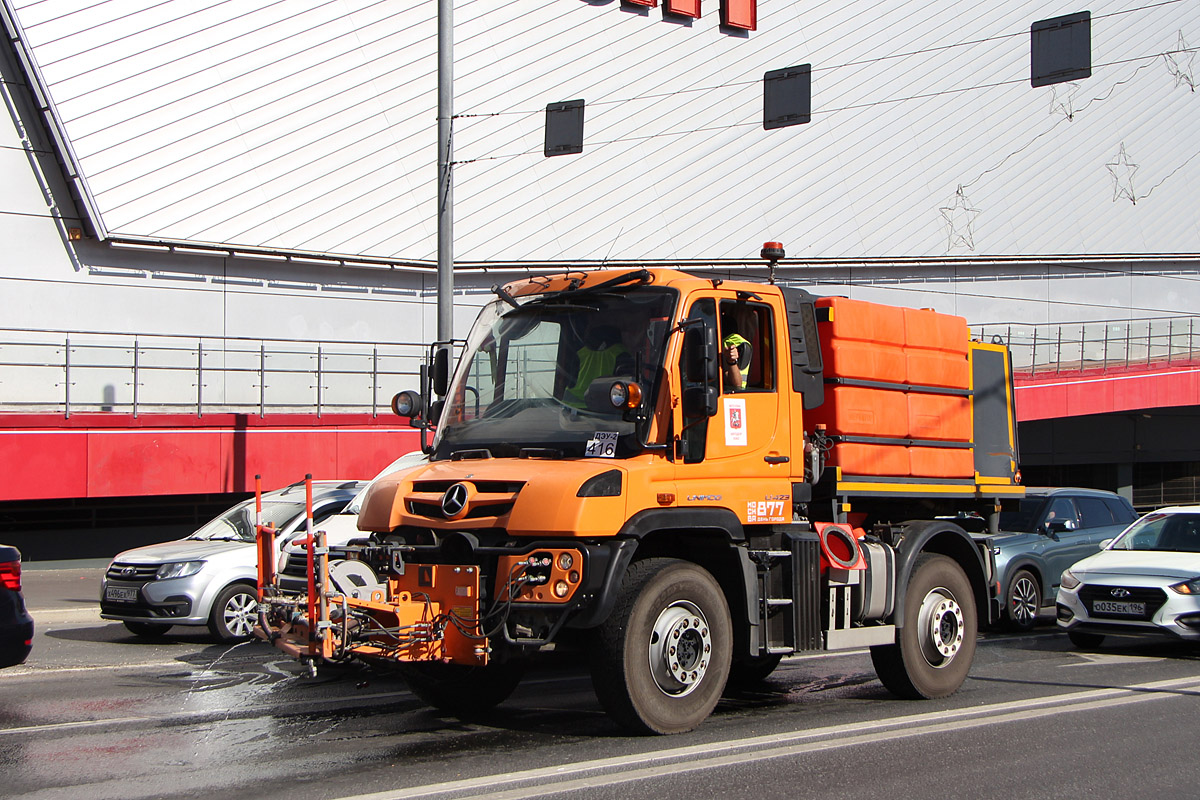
{"x": 1023, "y": 518}
{"x": 237, "y": 524}
{"x": 1173, "y": 532}
{"x": 538, "y": 376}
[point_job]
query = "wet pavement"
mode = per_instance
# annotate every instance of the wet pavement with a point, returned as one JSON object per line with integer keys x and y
{"x": 98, "y": 713}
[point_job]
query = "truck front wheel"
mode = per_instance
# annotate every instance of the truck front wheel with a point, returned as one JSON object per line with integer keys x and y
{"x": 937, "y": 643}
{"x": 661, "y": 659}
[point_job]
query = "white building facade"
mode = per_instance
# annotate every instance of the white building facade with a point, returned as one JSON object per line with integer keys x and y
{"x": 219, "y": 175}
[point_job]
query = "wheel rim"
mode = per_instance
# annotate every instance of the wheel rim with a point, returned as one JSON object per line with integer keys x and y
{"x": 238, "y": 614}
{"x": 941, "y": 626}
{"x": 680, "y": 646}
{"x": 1024, "y": 605}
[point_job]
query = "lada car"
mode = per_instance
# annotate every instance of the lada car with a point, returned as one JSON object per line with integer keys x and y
{"x": 1051, "y": 529}
{"x": 210, "y": 577}
{"x": 1144, "y": 582}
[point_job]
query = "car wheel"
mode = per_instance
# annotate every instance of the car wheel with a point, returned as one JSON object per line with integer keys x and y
{"x": 234, "y": 613}
{"x": 660, "y": 661}
{"x": 1022, "y": 601}
{"x": 937, "y": 643}
{"x": 147, "y": 630}
{"x": 1085, "y": 641}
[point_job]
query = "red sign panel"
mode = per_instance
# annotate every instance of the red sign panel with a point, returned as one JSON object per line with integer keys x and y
{"x": 684, "y": 8}
{"x": 741, "y": 14}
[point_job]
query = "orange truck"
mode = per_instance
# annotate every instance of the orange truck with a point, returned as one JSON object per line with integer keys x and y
{"x": 689, "y": 479}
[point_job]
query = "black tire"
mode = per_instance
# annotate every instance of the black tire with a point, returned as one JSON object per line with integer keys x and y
{"x": 937, "y": 643}
{"x": 1084, "y": 640}
{"x": 463, "y": 690}
{"x": 661, "y": 660}
{"x": 1022, "y": 601}
{"x": 752, "y": 669}
{"x": 147, "y": 630}
{"x": 234, "y": 613}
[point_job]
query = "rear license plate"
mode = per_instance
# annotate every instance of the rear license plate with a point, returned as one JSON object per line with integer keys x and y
{"x": 121, "y": 593}
{"x": 1113, "y": 607}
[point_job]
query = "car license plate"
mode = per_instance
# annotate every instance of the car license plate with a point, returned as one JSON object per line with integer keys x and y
{"x": 121, "y": 593}
{"x": 1114, "y": 607}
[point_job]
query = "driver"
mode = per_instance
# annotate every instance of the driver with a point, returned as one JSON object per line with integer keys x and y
{"x": 602, "y": 355}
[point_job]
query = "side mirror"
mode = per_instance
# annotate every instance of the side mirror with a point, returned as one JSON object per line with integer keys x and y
{"x": 1104, "y": 543}
{"x": 700, "y": 402}
{"x": 441, "y": 371}
{"x": 1059, "y": 525}
{"x": 699, "y": 354}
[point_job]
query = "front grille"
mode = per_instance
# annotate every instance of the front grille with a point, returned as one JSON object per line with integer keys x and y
{"x": 486, "y": 487}
{"x": 434, "y": 511}
{"x": 134, "y": 573}
{"x": 1153, "y": 598}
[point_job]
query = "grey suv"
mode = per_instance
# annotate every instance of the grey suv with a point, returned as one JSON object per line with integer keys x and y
{"x": 210, "y": 577}
{"x": 1050, "y": 531}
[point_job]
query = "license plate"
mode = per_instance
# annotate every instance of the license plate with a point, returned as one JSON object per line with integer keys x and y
{"x": 1113, "y": 607}
{"x": 121, "y": 593}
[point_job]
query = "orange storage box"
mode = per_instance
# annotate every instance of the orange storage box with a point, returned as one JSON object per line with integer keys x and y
{"x": 859, "y": 411}
{"x": 941, "y": 462}
{"x": 939, "y": 416}
{"x": 935, "y": 348}
{"x": 870, "y": 459}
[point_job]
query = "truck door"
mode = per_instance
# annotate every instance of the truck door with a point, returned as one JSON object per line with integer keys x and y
{"x": 738, "y": 459}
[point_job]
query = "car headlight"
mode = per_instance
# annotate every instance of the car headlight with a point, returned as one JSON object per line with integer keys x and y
{"x": 1068, "y": 580}
{"x": 178, "y": 569}
{"x": 1187, "y": 587}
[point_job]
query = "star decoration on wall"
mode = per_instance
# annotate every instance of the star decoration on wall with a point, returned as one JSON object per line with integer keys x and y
{"x": 1181, "y": 64}
{"x": 960, "y": 221}
{"x": 1062, "y": 101}
{"x": 1122, "y": 169}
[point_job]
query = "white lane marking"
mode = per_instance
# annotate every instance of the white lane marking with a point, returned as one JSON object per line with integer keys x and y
{"x": 626, "y": 769}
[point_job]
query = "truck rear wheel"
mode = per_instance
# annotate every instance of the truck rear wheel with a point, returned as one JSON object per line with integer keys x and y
{"x": 463, "y": 690}
{"x": 937, "y": 643}
{"x": 661, "y": 659}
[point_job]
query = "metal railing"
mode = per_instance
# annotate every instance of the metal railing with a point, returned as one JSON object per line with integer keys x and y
{"x": 71, "y": 372}
{"x": 1099, "y": 346}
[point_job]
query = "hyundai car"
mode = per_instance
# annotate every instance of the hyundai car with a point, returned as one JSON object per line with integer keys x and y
{"x": 1146, "y": 581}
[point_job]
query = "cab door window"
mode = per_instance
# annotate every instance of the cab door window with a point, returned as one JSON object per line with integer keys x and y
{"x": 745, "y": 337}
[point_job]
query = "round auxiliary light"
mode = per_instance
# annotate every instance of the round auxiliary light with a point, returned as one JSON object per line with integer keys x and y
{"x": 565, "y": 561}
{"x": 561, "y": 588}
{"x": 618, "y": 394}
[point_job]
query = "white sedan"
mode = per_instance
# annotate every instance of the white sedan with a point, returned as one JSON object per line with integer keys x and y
{"x": 1146, "y": 581}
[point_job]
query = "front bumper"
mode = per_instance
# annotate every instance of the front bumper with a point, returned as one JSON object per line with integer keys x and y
{"x": 1177, "y": 616}
{"x": 173, "y": 602}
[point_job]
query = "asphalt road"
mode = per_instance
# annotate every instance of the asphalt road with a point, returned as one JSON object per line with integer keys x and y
{"x": 97, "y": 713}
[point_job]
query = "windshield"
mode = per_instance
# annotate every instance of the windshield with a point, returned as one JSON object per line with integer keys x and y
{"x": 1176, "y": 532}
{"x": 237, "y": 524}
{"x": 538, "y": 376}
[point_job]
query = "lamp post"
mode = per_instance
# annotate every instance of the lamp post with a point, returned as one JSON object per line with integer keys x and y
{"x": 445, "y": 195}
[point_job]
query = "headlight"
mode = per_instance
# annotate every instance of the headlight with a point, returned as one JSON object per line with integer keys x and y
{"x": 1187, "y": 587}
{"x": 1068, "y": 580}
{"x": 178, "y": 569}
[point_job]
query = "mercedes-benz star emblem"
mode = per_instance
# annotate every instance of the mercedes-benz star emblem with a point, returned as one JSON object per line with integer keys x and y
{"x": 1118, "y": 592}
{"x": 454, "y": 501}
